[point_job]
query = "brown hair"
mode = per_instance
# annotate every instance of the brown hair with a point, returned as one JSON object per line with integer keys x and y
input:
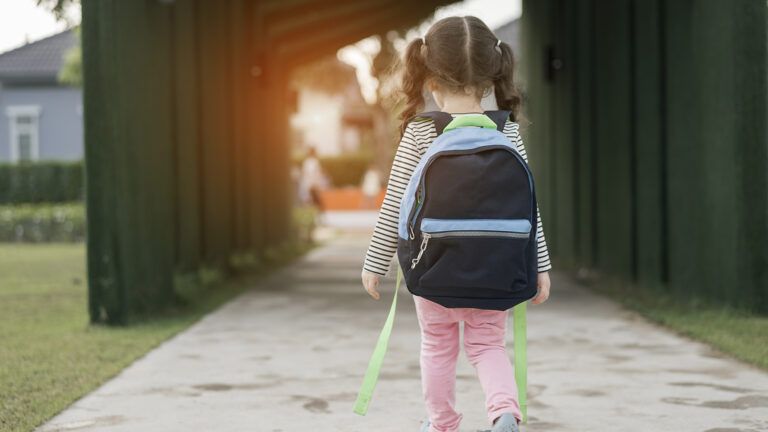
{"x": 459, "y": 54}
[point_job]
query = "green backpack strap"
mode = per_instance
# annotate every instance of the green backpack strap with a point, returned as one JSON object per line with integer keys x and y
{"x": 521, "y": 363}
{"x": 477, "y": 120}
{"x": 443, "y": 119}
{"x": 377, "y": 358}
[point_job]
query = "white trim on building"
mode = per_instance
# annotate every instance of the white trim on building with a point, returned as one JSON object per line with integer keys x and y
{"x": 24, "y": 128}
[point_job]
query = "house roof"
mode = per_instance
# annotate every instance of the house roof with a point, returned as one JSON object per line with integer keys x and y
{"x": 510, "y": 33}
{"x": 36, "y": 62}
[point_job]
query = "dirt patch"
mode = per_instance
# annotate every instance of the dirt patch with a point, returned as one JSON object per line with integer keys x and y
{"x": 313, "y": 404}
{"x": 714, "y": 386}
{"x": 740, "y": 403}
{"x": 219, "y": 387}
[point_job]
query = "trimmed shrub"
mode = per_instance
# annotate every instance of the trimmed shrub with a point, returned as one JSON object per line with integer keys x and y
{"x": 38, "y": 223}
{"x": 41, "y": 182}
{"x": 346, "y": 170}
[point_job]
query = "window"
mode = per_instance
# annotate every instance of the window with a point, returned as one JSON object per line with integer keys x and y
{"x": 25, "y": 131}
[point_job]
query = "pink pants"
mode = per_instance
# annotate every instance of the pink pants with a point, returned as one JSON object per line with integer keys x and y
{"x": 485, "y": 348}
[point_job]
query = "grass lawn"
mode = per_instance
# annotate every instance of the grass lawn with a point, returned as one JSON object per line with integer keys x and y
{"x": 735, "y": 332}
{"x": 49, "y": 354}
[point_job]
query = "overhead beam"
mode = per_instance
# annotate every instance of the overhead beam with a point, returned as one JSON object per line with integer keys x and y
{"x": 333, "y": 21}
{"x": 302, "y": 50}
{"x": 286, "y": 19}
{"x": 281, "y": 29}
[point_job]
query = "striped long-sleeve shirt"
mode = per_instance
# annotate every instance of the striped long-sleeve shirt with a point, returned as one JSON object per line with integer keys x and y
{"x": 417, "y": 137}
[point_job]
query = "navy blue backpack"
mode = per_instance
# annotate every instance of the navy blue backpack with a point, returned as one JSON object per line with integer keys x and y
{"x": 467, "y": 226}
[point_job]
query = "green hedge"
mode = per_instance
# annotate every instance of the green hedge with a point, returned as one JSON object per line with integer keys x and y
{"x": 343, "y": 170}
{"x": 41, "y": 182}
{"x": 38, "y": 223}
{"x": 346, "y": 170}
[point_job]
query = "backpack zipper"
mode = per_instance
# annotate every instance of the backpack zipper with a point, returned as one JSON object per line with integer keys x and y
{"x": 425, "y": 236}
{"x": 424, "y": 239}
{"x": 479, "y": 234}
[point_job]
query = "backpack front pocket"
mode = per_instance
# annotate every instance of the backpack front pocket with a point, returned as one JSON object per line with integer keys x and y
{"x": 472, "y": 257}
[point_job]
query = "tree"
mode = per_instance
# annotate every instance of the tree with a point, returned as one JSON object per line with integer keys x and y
{"x": 71, "y": 72}
{"x": 58, "y": 7}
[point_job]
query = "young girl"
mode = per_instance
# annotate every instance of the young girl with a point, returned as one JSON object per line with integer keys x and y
{"x": 459, "y": 60}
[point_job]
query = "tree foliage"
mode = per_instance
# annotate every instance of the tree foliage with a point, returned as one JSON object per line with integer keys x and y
{"x": 71, "y": 72}
{"x": 58, "y": 7}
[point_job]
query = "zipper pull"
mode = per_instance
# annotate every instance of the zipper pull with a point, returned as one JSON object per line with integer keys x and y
{"x": 424, "y": 239}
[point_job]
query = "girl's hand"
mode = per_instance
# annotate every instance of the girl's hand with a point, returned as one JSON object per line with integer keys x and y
{"x": 371, "y": 282}
{"x": 543, "y": 284}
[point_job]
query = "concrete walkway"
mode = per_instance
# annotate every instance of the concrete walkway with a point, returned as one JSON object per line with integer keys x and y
{"x": 289, "y": 355}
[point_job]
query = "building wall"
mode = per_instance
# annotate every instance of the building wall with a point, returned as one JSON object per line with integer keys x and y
{"x": 649, "y": 141}
{"x": 319, "y": 118}
{"x": 60, "y": 121}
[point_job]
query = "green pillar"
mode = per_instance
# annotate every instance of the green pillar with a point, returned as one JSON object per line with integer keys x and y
{"x": 129, "y": 158}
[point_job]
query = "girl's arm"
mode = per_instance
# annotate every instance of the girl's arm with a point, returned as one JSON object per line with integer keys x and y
{"x": 512, "y": 132}
{"x": 383, "y": 244}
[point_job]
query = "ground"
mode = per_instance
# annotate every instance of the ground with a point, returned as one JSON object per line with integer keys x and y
{"x": 49, "y": 354}
{"x": 290, "y": 353}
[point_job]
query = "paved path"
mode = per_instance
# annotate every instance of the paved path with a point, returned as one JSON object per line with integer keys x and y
{"x": 289, "y": 356}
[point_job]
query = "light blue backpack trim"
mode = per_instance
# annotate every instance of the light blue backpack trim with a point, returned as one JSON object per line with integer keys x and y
{"x": 465, "y": 138}
{"x": 522, "y": 226}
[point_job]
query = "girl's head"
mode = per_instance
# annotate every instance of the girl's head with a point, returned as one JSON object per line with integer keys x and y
{"x": 459, "y": 55}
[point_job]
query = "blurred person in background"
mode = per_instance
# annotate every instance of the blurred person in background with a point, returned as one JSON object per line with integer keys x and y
{"x": 313, "y": 181}
{"x": 299, "y": 197}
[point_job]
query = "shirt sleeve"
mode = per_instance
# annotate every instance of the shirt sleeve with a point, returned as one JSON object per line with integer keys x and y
{"x": 511, "y": 130}
{"x": 383, "y": 244}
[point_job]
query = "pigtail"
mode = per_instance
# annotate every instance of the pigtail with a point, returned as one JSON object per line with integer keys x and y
{"x": 414, "y": 75}
{"x": 507, "y": 96}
